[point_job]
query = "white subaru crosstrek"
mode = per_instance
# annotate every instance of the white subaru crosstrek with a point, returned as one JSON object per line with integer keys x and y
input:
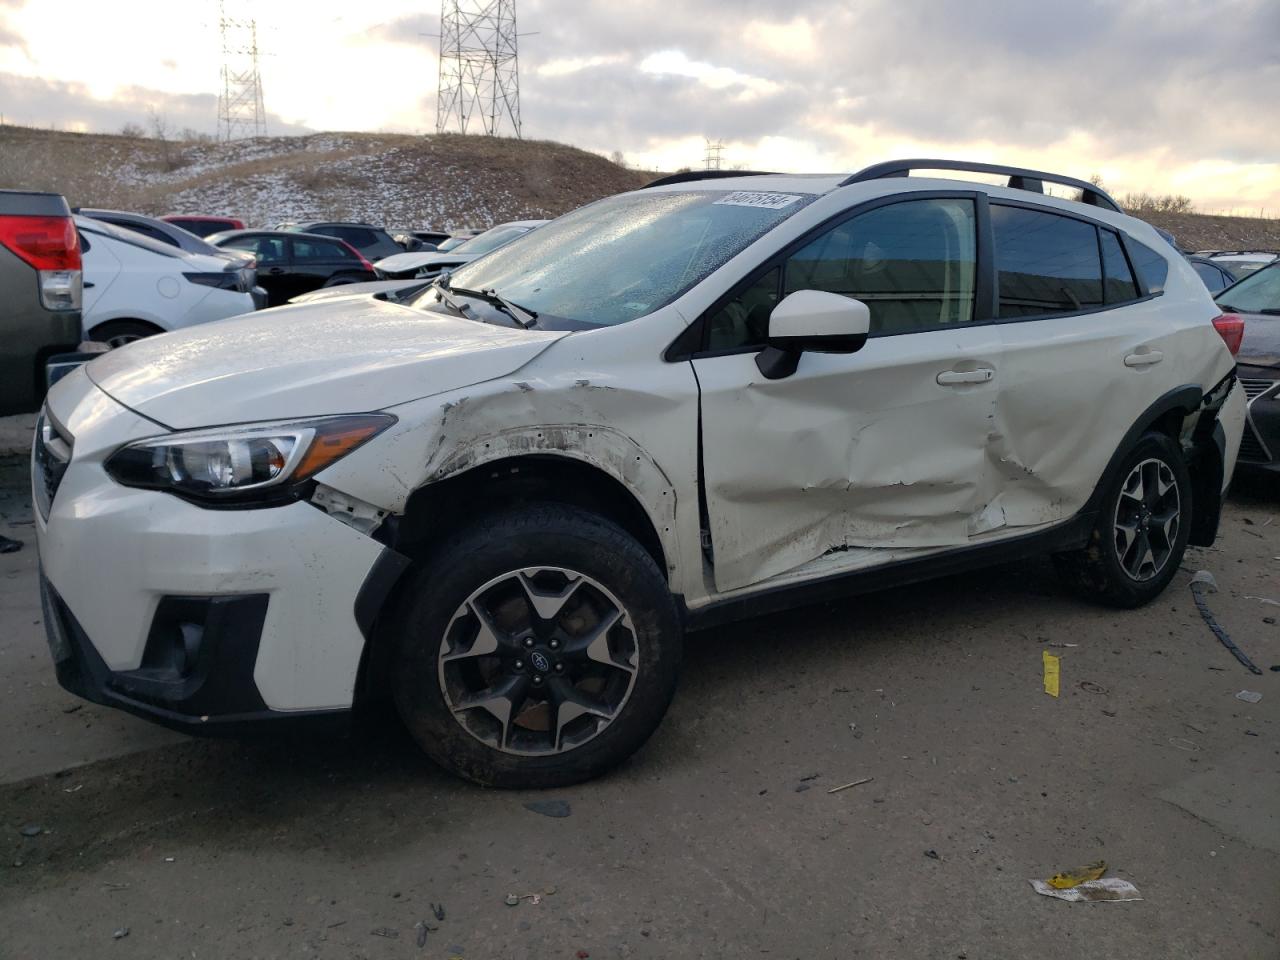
{"x": 502, "y": 505}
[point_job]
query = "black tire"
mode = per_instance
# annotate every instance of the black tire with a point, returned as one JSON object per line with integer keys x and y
{"x": 1099, "y": 571}
{"x": 532, "y": 536}
{"x": 119, "y": 332}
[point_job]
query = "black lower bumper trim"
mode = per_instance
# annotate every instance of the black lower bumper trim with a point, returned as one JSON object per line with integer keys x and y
{"x": 210, "y": 692}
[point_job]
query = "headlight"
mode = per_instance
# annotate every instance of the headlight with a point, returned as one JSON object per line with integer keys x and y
{"x": 260, "y": 462}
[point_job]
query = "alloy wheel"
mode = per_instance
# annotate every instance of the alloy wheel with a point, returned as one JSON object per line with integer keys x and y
{"x": 1147, "y": 518}
{"x": 538, "y": 661}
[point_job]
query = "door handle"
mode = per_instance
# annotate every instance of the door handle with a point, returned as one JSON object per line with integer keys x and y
{"x": 276, "y": 271}
{"x": 1143, "y": 359}
{"x": 948, "y": 378}
{"x": 87, "y": 284}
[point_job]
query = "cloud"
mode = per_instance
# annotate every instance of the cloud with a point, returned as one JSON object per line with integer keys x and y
{"x": 69, "y": 106}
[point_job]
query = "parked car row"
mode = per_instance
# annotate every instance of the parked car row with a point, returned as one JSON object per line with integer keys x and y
{"x": 115, "y": 276}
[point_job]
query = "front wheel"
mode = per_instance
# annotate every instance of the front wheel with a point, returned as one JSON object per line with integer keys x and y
{"x": 537, "y": 649}
{"x": 1141, "y": 532}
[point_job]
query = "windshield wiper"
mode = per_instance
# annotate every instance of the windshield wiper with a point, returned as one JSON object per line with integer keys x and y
{"x": 525, "y": 318}
{"x": 441, "y": 287}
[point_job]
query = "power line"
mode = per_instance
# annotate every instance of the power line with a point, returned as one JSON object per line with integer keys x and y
{"x": 479, "y": 67}
{"x": 241, "y": 112}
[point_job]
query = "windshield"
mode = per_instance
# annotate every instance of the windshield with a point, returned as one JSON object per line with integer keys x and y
{"x": 1257, "y": 293}
{"x": 626, "y": 256}
{"x": 490, "y": 240}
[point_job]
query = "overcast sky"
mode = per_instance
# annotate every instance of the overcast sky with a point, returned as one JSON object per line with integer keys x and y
{"x": 1170, "y": 96}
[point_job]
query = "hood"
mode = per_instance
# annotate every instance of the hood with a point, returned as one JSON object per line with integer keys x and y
{"x": 399, "y": 262}
{"x": 367, "y": 288}
{"x": 337, "y": 356}
{"x": 1261, "y": 344}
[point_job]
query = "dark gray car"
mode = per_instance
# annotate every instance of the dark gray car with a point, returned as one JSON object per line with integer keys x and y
{"x": 40, "y": 288}
{"x": 1256, "y": 299}
{"x": 374, "y": 243}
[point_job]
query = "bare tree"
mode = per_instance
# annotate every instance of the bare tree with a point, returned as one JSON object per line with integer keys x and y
{"x": 619, "y": 158}
{"x": 132, "y": 129}
{"x": 161, "y": 131}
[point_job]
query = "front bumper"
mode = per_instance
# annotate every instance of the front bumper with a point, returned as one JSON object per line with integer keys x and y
{"x": 189, "y": 614}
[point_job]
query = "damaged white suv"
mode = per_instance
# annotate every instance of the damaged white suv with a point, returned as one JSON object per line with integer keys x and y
{"x": 502, "y": 505}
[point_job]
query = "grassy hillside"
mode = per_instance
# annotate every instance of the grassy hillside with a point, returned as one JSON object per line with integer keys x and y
{"x": 447, "y": 181}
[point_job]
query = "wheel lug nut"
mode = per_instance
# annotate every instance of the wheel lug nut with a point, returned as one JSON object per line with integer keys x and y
{"x": 519, "y": 664}
{"x": 554, "y": 644}
{"x": 559, "y": 668}
{"x": 537, "y": 679}
{"x": 528, "y": 641}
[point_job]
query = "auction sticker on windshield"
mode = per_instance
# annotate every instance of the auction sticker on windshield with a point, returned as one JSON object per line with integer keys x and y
{"x": 769, "y": 201}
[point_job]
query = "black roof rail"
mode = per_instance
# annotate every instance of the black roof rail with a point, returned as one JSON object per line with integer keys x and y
{"x": 1019, "y": 178}
{"x": 690, "y": 175}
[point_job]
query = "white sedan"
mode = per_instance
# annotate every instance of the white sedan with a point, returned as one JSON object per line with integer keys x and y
{"x": 429, "y": 263}
{"x": 135, "y": 287}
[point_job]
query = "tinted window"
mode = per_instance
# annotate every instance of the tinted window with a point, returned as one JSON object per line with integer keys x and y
{"x": 912, "y": 263}
{"x": 1118, "y": 282}
{"x": 1046, "y": 263}
{"x": 266, "y": 249}
{"x": 320, "y": 250}
{"x": 1211, "y": 276}
{"x": 1151, "y": 267}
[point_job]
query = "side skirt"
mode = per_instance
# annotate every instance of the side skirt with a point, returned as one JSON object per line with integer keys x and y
{"x": 1071, "y": 535}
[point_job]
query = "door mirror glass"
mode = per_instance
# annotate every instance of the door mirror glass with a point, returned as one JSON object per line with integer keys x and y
{"x": 812, "y": 320}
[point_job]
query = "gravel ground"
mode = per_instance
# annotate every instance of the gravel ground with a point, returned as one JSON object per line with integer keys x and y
{"x": 720, "y": 838}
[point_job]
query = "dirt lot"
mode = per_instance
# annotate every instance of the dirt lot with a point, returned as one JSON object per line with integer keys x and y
{"x": 720, "y": 839}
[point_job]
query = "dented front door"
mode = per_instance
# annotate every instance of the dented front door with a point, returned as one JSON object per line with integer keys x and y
{"x": 861, "y": 450}
{"x": 882, "y": 448}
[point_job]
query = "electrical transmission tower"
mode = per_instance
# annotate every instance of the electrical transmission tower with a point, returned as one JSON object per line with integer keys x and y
{"x": 711, "y": 160}
{"x": 479, "y": 66}
{"x": 240, "y": 110}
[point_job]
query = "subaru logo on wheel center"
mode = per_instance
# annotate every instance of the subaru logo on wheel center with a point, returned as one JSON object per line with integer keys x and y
{"x": 540, "y": 662}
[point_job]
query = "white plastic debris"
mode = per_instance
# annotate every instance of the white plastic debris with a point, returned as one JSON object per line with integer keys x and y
{"x": 1205, "y": 577}
{"x": 1108, "y": 888}
{"x": 1249, "y": 696}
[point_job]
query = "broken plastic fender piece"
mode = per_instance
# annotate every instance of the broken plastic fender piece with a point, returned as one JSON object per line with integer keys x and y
{"x": 1108, "y": 888}
{"x": 1052, "y": 672}
{"x": 1073, "y": 878}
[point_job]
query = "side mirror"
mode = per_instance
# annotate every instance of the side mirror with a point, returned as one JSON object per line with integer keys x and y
{"x": 812, "y": 320}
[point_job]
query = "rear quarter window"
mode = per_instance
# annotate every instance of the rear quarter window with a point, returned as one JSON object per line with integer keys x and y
{"x": 1152, "y": 267}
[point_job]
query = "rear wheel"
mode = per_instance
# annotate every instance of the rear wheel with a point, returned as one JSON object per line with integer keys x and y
{"x": 116, "y": 333}
{"x": 1141, "y": 533}
{"x": 538, "y": 649}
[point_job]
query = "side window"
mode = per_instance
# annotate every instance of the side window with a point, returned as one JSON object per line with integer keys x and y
{"x": 1045, "y": 263}
{"x": 911, "y": 262}
{"x": 1151, "y": 267}
{"x": 319, "y": 250}
{"x": 1117, "y": 278}
{"x": 744, "y": 320}
{"x": 268, "y": 250}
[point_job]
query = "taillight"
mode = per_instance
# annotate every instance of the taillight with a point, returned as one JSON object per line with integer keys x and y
{"x": 46, "y": 243}
{"x": 1230, "y": 327}
{"x": 52, "y": 246}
